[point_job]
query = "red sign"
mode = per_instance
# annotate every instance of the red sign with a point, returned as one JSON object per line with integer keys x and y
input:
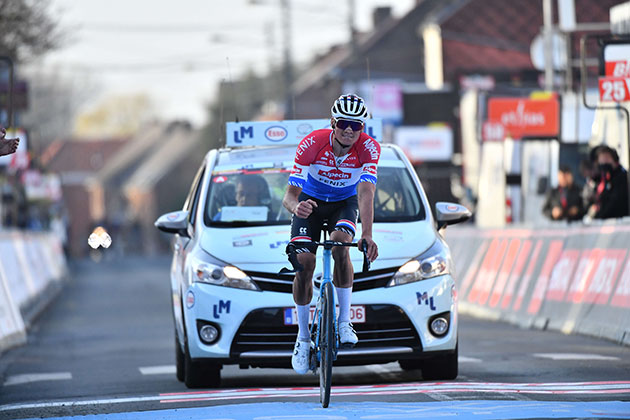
{"x": 614, "y": 89}
{"x": 618, "y": 68}
{"x": 525, "y": 117}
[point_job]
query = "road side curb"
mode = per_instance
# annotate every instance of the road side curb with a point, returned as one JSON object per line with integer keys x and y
{"x": 33, "y": 270}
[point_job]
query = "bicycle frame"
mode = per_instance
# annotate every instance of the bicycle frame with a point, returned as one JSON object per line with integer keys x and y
{"x": 326, "y": 278}
{"x": 316, "y": 327}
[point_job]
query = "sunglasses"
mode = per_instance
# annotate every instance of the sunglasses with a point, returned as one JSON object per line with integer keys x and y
{"x": 354, "y": 125}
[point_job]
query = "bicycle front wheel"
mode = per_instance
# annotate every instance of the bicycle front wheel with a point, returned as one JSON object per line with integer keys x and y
{"x": 326, "y": 343}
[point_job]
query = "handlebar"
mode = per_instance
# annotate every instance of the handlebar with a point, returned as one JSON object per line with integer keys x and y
{"x": 297, "y": 267}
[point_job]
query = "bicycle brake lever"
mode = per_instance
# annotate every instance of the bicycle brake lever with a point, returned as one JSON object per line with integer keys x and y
{"x": 366, "y": 261}
{"x": 297, "y": 267}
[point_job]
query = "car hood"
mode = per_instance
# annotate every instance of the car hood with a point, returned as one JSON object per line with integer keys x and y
{"x": 262, "y": 248}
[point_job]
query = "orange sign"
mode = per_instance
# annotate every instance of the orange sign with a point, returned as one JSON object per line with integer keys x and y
{"x": 525, "y": 117}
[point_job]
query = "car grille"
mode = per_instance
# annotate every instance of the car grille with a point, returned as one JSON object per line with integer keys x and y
{"x": 272, "y": 282}
{"x": 283, "y": 283}
{"x": 264, "y": 330}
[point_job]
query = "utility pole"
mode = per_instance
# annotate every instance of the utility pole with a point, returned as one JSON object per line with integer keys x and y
{"x": 548, "y": 43}
{"x": 288, "y": 70}
{"x": 351, "y": 25}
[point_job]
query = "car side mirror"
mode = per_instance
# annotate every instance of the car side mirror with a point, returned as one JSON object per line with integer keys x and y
{"x": 174, "y": 222}
{"x": 450, "y": 214}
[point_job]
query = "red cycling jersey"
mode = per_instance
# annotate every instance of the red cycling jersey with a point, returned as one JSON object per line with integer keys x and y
{"x": 327, "y": 177}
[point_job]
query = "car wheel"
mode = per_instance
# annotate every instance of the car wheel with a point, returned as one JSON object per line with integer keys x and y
{"x": 441, "y": 367}
{"x": 180, "y": 370}
{"x": 200, "y": 374}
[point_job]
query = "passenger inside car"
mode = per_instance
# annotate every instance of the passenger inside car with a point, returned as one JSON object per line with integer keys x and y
{"x": 389, "y": 200}
{"x": 250, "y": 191}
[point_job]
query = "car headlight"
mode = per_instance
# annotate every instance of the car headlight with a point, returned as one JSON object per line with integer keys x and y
{"x": 228, "y": 276}
{"x": 436, "y": 261}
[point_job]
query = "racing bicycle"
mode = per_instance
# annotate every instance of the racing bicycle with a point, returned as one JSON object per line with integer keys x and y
{"x": 324, "y": 330}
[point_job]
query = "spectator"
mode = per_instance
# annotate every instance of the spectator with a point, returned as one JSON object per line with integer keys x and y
{"x": 587, "y": 170}
{"x": 611, "y": 190}
{"x": 7, "y": 146}
{"x": 565, "y": 201}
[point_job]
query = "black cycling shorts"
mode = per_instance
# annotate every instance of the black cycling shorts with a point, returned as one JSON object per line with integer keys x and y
{"x": 340, "y": 215}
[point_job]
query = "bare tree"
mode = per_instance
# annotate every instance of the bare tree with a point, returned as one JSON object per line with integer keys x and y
{"x": 26, "y": 29}
{"x": 54, "y": 97}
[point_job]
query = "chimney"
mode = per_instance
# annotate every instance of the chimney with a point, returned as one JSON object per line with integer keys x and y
{"x": 381, "y": 15}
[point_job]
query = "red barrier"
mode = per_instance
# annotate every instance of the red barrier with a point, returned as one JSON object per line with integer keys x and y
{"x": 571, "y": 278}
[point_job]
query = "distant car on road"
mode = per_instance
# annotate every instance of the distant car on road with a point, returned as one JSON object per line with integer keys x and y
{"x": 231, "y": 306}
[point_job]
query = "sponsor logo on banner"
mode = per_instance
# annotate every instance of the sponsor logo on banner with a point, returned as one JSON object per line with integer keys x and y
{"x": 553, "y": 253}
{"x": 525, "y": 117}
{"x": 602, "y": 282}
{"x": 506, "y": 299}
{"x": 304, "y": 128}
{"x": 622, "y": 293}
{"x": 583, "y": 273}
{"x": 561, "y": 275}
{"x": 276, "y": 133}
{"x": 504, "y": 272}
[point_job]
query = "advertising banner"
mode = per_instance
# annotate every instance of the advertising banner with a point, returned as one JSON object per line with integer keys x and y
{"x": 574, "y": 278}
{"x": 287, "y": 132}
{"x": 524, "y": 117}
{"x": 426, "y": 143}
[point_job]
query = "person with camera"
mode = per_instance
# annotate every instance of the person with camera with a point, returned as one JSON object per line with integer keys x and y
{"x": 611, "y": 186}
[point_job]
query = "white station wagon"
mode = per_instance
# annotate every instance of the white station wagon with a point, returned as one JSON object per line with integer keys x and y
{"x": 231, "y": 306}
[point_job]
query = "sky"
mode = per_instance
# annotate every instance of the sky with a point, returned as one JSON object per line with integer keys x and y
{"x": 178, "y": 51}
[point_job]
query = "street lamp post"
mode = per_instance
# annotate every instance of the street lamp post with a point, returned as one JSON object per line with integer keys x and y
{"x": 287, "y": 62}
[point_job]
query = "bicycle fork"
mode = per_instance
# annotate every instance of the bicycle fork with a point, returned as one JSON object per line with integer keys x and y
{"x": 328, "y": 275}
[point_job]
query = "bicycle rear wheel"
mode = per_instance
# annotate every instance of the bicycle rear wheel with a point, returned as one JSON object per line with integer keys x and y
{"x": 326, "y": 344}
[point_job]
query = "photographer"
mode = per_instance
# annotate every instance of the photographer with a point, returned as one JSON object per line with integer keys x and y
{"x": 611, "y": 186}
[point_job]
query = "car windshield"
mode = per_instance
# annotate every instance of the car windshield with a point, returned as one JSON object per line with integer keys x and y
{"x": 253, "y": 196}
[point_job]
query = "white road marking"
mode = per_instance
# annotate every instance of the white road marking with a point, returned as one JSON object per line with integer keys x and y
{"x": 157, "y": 370}
{"x": 26, "y": 378}
{"x": 574, "y": 356}
{"x": 427, "y": 388}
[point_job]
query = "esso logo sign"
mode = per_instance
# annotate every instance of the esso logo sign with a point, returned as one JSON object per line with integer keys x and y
{"x": 276, "y": 133}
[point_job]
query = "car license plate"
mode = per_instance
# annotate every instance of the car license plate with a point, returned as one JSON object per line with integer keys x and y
{"x": 357, "y": 315}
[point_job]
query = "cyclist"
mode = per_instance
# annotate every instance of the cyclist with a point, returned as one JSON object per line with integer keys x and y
{"x": 333, "y": 179}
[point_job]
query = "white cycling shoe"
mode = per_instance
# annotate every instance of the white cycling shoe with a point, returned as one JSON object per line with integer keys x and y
{"x": 300, "y": 358}
{"x": 347, "y": 336}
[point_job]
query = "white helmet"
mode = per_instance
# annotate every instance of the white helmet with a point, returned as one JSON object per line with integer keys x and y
{"x": 350, "y": 107}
